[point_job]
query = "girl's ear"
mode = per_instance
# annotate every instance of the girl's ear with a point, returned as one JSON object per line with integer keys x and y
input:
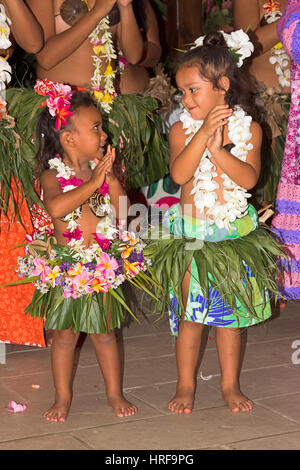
{"x": 224, "y": 84}
{"x": 67, "y": 138}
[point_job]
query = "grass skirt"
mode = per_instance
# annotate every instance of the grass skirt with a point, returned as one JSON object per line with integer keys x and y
{"x": 232, "y": 272}
{"x": 94, "y": 313}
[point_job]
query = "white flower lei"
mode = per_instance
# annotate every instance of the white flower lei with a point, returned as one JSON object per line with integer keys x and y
{"x": 103, "y": 48}
{"x": 5, "y": 68}
{"x": 105, "y": 226}
{"x": 278, "y": 57}
{"x": 205, "y": 197}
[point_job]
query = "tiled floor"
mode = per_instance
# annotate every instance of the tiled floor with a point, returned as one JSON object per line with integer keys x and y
{"x": 270, "y": 376}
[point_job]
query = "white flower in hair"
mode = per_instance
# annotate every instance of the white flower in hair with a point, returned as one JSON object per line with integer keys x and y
{"x": 238, "y": 43}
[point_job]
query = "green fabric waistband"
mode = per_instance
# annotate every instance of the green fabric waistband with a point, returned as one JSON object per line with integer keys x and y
{"x": 199, "y": 228}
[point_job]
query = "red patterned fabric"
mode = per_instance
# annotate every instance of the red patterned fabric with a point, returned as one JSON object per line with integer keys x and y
{"x": 15, "y": 326}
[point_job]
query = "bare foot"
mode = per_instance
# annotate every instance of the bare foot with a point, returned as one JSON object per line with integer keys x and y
{"x": 281, "y": 303}
{"x": 183, "y": 401}
{"x": 58, "y": 412}
{"x": 121, "y": 406}
{"x": 236, "y": 400}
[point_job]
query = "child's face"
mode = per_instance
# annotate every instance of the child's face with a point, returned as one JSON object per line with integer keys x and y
{"x": 198, "y": 95}
{"x": 89, "y": 136}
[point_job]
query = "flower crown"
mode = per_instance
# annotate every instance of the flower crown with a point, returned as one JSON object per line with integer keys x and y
{"x": 58, "y": 102}
{"x": 238, "y": 43}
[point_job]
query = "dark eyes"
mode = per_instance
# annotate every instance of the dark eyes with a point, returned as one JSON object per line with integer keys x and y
{"x": 191, "y": 90}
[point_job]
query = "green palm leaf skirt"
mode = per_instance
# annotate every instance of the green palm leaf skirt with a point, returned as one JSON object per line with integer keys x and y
{"x": 94, "y": 313}
{"x": 233, "y": 272}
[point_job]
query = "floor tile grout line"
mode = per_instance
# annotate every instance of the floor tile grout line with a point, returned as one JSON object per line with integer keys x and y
{"x": 131, "y": 419}
{"x": 266, "y": 407}
{"x": 228, "y": 444}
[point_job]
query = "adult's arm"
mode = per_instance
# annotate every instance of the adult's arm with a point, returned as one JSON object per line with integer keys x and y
{"x": 60, "y": 46}
{"x": 25, "y": 28}
{"x": 246, "y": 15}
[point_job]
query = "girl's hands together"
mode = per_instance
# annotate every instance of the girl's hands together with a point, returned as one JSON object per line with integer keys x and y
{"x": 215, "y": 142}
{"x": 111, "y": 154}
{"x": 216, "y": 118}
{"x": 99, "y": 172}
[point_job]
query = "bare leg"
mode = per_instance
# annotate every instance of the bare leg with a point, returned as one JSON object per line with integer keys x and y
{"x": 62, "y": 356}
{"x": 187, "y": 352}
{"x": 228, "y": 342}
{"x": 108, "y": 357}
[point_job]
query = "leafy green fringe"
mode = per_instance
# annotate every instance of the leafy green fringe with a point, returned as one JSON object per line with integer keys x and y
{"x": 145, "y": 156}
{"x": 17, "y": 154}
{"x": 221, "y": 265}
{"x": 88, "y": 313}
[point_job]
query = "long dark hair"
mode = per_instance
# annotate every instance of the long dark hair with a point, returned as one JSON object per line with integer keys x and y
{"x": 49, "y": 136}
{"x": 214, "y": 61}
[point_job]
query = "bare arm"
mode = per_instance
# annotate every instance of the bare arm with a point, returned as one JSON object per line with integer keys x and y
{"x": 152, "y": 49}
{"x": 147, "y": 52}
{"x": 184, "y": 160}
{"x": 246, "y": 14}
{"x": 59, "y": 203}
{"x": 25, "y": 28}
{"x": 60, "y": 46}
{"x": 131, "y": 41}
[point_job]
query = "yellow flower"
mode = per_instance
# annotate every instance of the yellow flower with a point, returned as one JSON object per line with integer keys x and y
{"x": 131, "y": 268}
{"x": 100, "y": 49}
{"x": 109, "y": 71}
{"x": 278, "y": 46}
{"x": 98, "y": 95}
{"x": 107, "y": 98}
{"x": 52, "y": 275}
{"x": 76, "y": 271}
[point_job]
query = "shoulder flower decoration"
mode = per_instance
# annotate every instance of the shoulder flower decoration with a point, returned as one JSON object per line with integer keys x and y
{"x": 238, "y": 42}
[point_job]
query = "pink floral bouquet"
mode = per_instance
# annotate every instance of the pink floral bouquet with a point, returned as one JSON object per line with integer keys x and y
{"x": 69, "y": 281}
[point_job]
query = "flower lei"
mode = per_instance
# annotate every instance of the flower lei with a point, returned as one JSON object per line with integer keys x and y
{"x": 205, "y": 197}
{"x": 113, "y": 257}
{"x": 238, "y": 43}
{"x": 68, "y": 182}
{"x": 101, "y": 40}
{"x": 278, "y": 57}
{"x": 5, "y": 68}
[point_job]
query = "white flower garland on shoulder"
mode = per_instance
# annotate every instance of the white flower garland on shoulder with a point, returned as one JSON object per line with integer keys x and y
{"x": 5, "y": 68}
{"x": 204, "y": 185}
